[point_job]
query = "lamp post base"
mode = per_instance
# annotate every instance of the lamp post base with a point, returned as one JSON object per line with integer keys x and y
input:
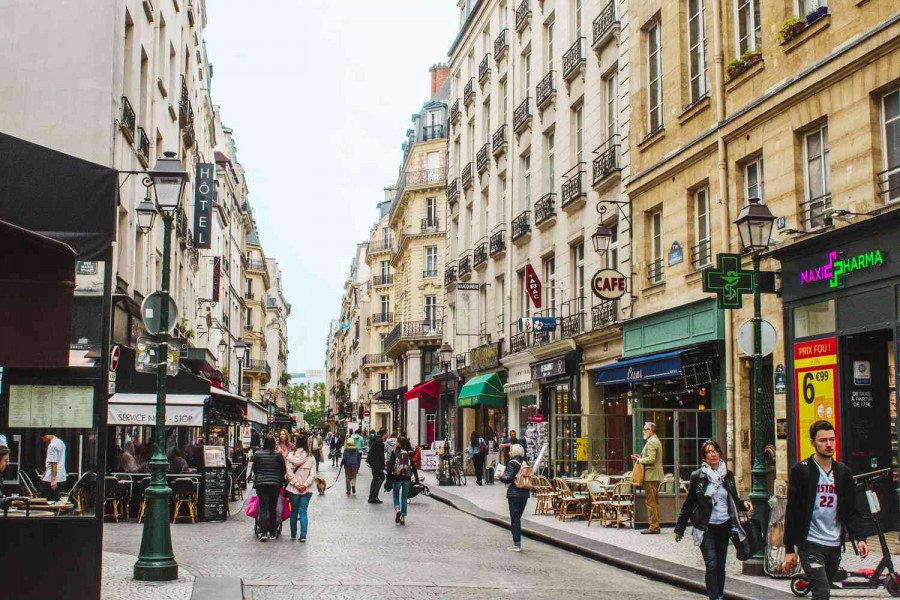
{"x": 166, "y": 570}
{"x": 156, "y": 560}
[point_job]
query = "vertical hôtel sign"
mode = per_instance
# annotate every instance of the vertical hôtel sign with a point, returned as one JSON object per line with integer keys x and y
{"x": 203, "y": 201}
{"x": 816, "y": 389}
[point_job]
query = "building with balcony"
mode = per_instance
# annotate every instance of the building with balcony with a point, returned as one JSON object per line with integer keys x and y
{"x": 278, "y": 310}
{"x": 256, "y": 372}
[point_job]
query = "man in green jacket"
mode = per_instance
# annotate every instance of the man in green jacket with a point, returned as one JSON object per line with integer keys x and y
{"x": 652, "y": 459}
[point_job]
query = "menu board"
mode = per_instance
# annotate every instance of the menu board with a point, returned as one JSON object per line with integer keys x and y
{"x": 214, "y": 494}
{"x": 46, "y": 406}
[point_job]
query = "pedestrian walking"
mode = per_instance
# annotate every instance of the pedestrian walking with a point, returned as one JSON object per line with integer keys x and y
{"x": 351, "y": 461}
{"x": 821, "y": 513}
{"x": 712, "y": 508}
{"x": 516, "y": 497}
{"x": 651, "y": 458}
{"x": 299, "y": 485}
{"x": 284, "y": 445}
{"x": 375, "y": 460}
{"x": 400, "y": 472}
{"x": 337, "y": 443}
{"x": 268, "y": 476}
{"x": 358, "y": 440}
{"x": 315, "y": 442}
{"x": 477, "y": 451}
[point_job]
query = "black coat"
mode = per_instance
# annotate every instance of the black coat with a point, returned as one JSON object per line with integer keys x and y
{"x": 268, "y": 468}
{"x": 375, "y": 458}
{"x": 698, "y": 507}
{"x": 802, "y": 483}
{"x": 509, "y": 476}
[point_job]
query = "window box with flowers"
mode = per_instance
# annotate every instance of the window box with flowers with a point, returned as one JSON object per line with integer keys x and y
{"x": 790, "y": 29}
{"x": 744, "y": 62}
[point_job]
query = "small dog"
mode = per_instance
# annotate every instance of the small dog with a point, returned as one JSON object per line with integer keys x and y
{"x": 321, "y": 485}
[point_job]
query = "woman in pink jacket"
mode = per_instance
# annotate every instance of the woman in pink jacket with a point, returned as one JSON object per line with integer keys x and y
{"x": 300, "y": 471}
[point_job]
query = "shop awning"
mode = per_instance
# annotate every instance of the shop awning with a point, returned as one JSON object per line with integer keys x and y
{"x": 426, "y": 392}
{"x": 254, "y": 413}
{"x": 664, "y": 365}
{"x": 185, "y": 410}
{"x": 484, "y": 390}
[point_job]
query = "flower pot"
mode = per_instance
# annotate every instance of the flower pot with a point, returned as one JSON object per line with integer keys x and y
{"x": 816, "y": 15}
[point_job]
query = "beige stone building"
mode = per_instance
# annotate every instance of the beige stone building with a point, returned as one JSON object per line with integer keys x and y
{"x": 278, "y": 310}
{"x": 256, "y": 370}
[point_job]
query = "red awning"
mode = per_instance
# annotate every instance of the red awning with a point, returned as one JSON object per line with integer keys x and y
{"x": 427, "y": 393}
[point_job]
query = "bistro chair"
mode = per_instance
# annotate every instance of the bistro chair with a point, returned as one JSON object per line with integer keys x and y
{"x": 598, "y": 497}
{"x": 185, "y": 491}
{"x": 622, "y": 504}
{"x": 84, "y": 492}
{"x": 141, "y": 492}
{"x": 114, "y": 498}
{"x": 544, "y": 496}
{"x": 567, "y": 499}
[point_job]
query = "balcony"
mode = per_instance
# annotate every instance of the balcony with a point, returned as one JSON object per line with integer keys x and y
{"x": 573, "y": 60}
{"x": 701, "y": 255}
{"x": 469, "y": 92}
{"x": 186, "y": 116}
{"x": 499, "y": 141}
{"x": 381, "y": 318}
{"x": 482, "y": 161}
{"x": 411, "y": 332}
{"x": 501, "y": 45}
{"x": 383, "y": 280}
{"x": 254, "y": 264}
{"x": 545, "y": 211}
{"x": 465, "y": 265}
{"x": 522, "y": 116}
{"x": 257, "y": 366}
{"x": 378, "y": 246}
{"x": 249, "y": 296}
{"x": 523, "y": 15}
{"x": 521, "y": 226}
{"x": 656, "y": 271}
{"x": 429, "y": 273}
{"x": 450, "y": 275}
{"x": 371, "y": 360}
{"x": 545, "y": 91}
{"x": 484, "y": 69}
{"x": 605, "y": 314}
{"x": 607, "y": 161}
{"x": 433, "y": 132}
{"x": 572, "y": 325}
{"x": 423, "y": 178}
{"x": 497, "y": 244}
{"x": 518, "y": 343}
{"x": 453, "y": 190}
{"x": 813, "y": 211}
{"x": 143, "y": 147}
{"x": 127, "y": 121}
{"x": 605, "y": 26}
{"x": 889, "y": 184}
{"x": 467, "y": 177}
{"x": 573, "y": 188}
{"x": 454, "y": 111}
{"x": 431, "y": 225}
{"x": 479, "y": 256}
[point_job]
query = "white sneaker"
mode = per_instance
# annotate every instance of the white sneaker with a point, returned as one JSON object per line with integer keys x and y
{"x": 515, "y": 548}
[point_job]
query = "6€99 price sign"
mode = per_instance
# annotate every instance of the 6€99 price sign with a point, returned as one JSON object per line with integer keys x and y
{"x": 816, "y": 390}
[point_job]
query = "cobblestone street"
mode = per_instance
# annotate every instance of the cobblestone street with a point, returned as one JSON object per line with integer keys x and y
{"x": 355, "y": 550}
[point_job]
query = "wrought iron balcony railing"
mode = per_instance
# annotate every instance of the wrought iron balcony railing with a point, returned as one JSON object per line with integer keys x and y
{"x": 413, "y": 330}
{"x": 479, "y": 256}
{"x": 467, "y": 176}
{"x": 573, "y": 185}
{"x": 545, "y": 209}
{"x": 701, "y": 254}
{"x": 430, "y": 273}
{"x": 261, "y": 366}
{"x": 433, "y": 132}
{"x": 501, "y": 45}
{"x": 572, "y": 325}
{"x": 889, "y": 184}
{"x": 656, "y": 271}
{"x": 453, "y": 190}
{"x": 431, "y": 224}
{"x": 603, "y": 24}
{"x": 375, "y": 359}
{"x": 498, "y": 241}
{"x": 522, "y": 115}
{"x": 607, "y": 161}
{"x": 573, "y": 59}
{"x": 484, "y": 68}
{"x": 518, "y": 343}
{"x": 469, "y": 91}
{"x": 384, "y": 245}
{"x": 381, "y": 280}
{"x": 465, "y": 264}
{"x": 605, "y": 314}
{"x": 143, "y": 146}
{"x": 523, "y": 15}
{"x": 499, "y": 140}
{"x": 128, "y": 120}
{"x": 450, "y": 275}
{"x": 813, "y": 211}
{"x": 482, "y": 162}
{"x": 254, "y": 264}
{"x": 454, "y": 111}
{"x": 521, "y": 225}
{"x": 545, "y": 91}
{"x": 381, "y": 318}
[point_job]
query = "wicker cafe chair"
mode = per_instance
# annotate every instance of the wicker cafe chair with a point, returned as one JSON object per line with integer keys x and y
{"x": 114, "y": 498}
{"x": 142, "y": 486}
{"x": 567, "y": 499}
{"x": 598, "y": 498}
{"x": 622, "y": 504}
{"x": 544, "y": 496}
{"x": 185, "y": 491}
{"x": 83, "y": 492}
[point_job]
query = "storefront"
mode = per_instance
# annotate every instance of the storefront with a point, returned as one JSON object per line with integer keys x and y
{"x": 484, "y": 395}
{"x": 522, "y": 403}
{"x": 559, "y": 406}
{"x": 841, "y": 294}
{"x": 448, "y": 383}
{"x": 427, "y": 394}
{"x": 394, "y": 399}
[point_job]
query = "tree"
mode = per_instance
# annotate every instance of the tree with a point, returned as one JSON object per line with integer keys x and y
{"x": 309, "y": 399}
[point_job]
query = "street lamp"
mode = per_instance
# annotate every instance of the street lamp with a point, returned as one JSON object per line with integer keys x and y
{"x": 755, "y": 228}
{"x": 601, "y": 238}
{"x": 444, "y": 474}
{"x": 156, "y": 560}
{"x": 240, "y": 352}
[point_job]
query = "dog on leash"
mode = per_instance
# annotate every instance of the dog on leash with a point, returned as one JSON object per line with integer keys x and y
{"x": 321, "y": 485}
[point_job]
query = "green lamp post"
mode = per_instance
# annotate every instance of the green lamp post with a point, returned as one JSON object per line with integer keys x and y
{"x": 755, "y": 227}
{"x": 156, "y": 561}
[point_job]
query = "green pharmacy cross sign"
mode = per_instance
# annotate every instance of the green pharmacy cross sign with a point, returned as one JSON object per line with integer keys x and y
{"x": 728, "y": 281}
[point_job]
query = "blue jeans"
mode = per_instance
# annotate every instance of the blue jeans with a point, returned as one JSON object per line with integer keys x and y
{"x": 516, "y": 509}
{"x": 299, "y": 504}
{"x": 401, "y": 493}
{"x": 715, "y": 551}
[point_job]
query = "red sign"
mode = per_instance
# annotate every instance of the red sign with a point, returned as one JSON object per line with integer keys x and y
{"x": 537, "y": 418}
{"x": 533, "y": 285}
{"x": 271, "y": 420}
{"x": 114, "y": 357}
{"x": 816, "y": 390}
{"x": 366, "y": 413}
{"x": 217, "y": 277}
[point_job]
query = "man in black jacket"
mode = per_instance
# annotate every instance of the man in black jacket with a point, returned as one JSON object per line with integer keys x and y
{"x": 821, "y": 512}
{"x": 375, "y": 460}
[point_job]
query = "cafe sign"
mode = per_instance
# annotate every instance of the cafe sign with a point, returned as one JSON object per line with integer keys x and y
{"x": 549, "y": 368}
{"x": 485, "y": 357}
{"x": 836, "y": 268}
{"x": 608, "y": 284}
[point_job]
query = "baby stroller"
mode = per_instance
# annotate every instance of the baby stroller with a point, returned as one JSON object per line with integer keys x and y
{"x": 280, "y": 514}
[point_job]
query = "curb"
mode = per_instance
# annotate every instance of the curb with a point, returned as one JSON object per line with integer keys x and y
{"x": 681, "y": 576}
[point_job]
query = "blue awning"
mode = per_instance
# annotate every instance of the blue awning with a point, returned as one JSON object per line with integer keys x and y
{"x": 642, "y": 368}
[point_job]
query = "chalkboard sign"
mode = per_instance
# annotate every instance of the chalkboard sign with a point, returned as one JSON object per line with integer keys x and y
{"x": 214, "y": 494}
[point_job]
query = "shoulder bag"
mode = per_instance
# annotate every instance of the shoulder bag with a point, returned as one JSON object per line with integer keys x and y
{"x": 637, "y": 474}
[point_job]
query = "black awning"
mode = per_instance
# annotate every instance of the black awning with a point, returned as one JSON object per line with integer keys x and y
{"x": 59, "y": 196}
{"x": 391, "y": 395}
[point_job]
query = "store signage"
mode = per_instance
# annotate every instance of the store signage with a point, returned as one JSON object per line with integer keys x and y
{"x": 780, "y": 384}
{"x": 549, "y": 368}
{"x": 608, "y": 284}
{"x": 485, "y": 357}
{"x": 145, "y": 414}
{"x": 835, "y": 269}
{"x": 816, "y": 390}
{"x": 114, "y": 356}
{"x": 468, "y": 287}
{"x": 217, "y": 277}
{"x": 862, "y": 372}
{"x": 676, "y": 254}
{"x": 203, "y": 201}
{"x": 538, "y": 418}
{"x": 728, "y": 281}
{"x": 86, "y": 267}
{"x": 533, "y": 285}
{"x": 529, "y": 324}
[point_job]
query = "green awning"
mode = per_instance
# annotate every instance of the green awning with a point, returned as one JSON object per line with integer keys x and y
{"x": 484, "y": 389}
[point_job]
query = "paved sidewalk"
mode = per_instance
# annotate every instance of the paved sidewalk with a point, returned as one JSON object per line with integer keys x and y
{"x": 489, "y": 501}
{"x": 118, "y": 583}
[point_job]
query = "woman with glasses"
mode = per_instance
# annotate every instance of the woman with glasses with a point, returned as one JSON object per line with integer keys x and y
{"x": 712, "y": 508}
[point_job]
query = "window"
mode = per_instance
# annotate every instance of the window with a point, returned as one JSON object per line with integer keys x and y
{"x": 483, "y": 215}
{"x": 655, "y": 270}
{"x": 486, "y": 122}
{"x": 697, "y": 63}
{"x": 754, "y": 180}
{"x": 471, "y": 139}
{"x": 611, "y": 125}
{"x": 387, "y": 235}
{"x": 654, "y": 64}
{"x": 578, "y": 276}
{"x": 578, "y": 17}
{"x": 890, "y": 106}
{"x": 804, "y": 7}
{"x": 526, "y": 72}
{"x": 703, "y": 249}
{"x": 383, "y": 381}
{"x": 612, "y": 253}
{"x": 499, "y": 299}
{"x": 549, "y": 160}
{"x": 526, "y": 171}
{"x": 501, "y": 205}
{"x": 749, "y": 31}
{"x": 431, "y": 212}
{"x": 817, "y": 176}
{"x": 578, "y": 138}
{"x": 248, "y": 289}
{"x": 431, "y": 258}
{"x": 550, "y": 287}
{"x": 548, "y": 48}
{"x": 431, "y": 311}
{"x": 248, "y": 318}
{"x": 524, "y": 299}
{"x": 385, "y": 302}
{"x": 504, "y": 99}
{"x": 814, "y": 319}
{"x": 385, "y": 269}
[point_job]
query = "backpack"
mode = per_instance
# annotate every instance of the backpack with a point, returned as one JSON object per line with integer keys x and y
{"x": 523, "y": 477}
{"x": 401, "y": 469}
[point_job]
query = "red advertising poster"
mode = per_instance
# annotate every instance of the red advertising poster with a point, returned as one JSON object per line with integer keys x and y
{"x": 533, "y": 285}
{"x": 816, "y": 390}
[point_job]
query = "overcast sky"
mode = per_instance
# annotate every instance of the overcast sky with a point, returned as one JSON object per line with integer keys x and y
{"x": 320, "y": 94}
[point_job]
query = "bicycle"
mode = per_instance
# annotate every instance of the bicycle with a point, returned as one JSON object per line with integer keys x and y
{"x": 457, "y": 470}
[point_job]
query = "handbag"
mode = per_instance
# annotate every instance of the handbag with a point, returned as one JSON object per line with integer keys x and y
{"x": 753, "y": 540}
{"x": 285, "y": 509}
{"x": 253, "y": 507}
{"x": 637, "y": 474}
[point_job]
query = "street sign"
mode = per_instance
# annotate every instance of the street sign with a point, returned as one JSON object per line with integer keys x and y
{"x": 111, "y": 387}
{"x": 728, "y": 281}
{"x": 114, "y": 357}
{"x": 745, "y": 338}
{"x": 150, "y": 313}
{"x": 529, "y": 324}
{"x": 608, "y": 284}
{"x": 366, "y": 413}
{"x": 533, "y": 285}
{"x": 145, "y": 357}
{"x": 537, "y": 418}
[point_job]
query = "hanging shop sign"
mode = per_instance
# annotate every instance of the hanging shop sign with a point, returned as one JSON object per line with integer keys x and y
{"x": 529, "y": 324}
{"x": 217, "y": 277}
{"x": 485, "y": 357}
{"x": 730, "y": 282}
{"x": 816, "y": 390}
{"x": 837, "y": 267}
{"x": 676, "y": 254}
{"x": 533, "y": 285}
{"x": 203, "y": 202}
{"x": 468, "y": 287}
{"x": 549, "y": 368}
{"x": 608, "y": 284}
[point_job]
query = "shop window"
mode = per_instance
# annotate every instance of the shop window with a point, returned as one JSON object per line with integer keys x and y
{"x": 814, "y": 319}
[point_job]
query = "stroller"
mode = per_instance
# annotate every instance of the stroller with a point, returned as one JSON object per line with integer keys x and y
{"x": 280, "y": 514}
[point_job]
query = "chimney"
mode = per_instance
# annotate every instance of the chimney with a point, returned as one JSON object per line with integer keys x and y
{"x": 439, "y": 74}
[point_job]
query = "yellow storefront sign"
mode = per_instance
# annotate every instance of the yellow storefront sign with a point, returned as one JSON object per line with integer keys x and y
{"x": 815, "y": 390}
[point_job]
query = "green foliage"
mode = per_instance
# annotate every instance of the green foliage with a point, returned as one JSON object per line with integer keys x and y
{"x": 742, "y": 63}
{"x": 309, "y": 399}
{"x": 789, "y": 29}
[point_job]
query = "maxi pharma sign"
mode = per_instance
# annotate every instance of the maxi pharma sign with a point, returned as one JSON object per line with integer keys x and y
{"x": 836, "y": 268}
